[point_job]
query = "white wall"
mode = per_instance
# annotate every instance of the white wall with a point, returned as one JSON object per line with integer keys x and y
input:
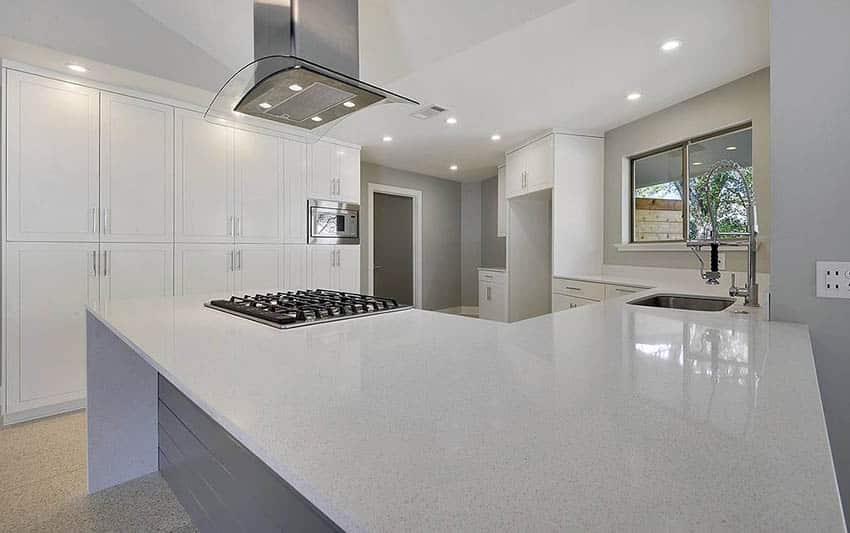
{"x": 810, "y": 114}
{"x": 470, "y": 241}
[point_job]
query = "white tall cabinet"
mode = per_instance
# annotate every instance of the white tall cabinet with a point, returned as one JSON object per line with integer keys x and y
{"x": 110, "y": 196}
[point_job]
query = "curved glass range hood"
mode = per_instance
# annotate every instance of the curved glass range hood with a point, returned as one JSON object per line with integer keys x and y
{"x": 305, "y": 77}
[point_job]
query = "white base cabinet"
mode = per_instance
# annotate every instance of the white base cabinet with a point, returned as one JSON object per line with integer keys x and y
{"x": 334, "y": 267}
{"x": 48, "y": 286}
{"x": 492, "y": 295}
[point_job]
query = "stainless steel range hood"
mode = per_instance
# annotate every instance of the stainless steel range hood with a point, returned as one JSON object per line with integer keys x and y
{"x": 305, "y": 70}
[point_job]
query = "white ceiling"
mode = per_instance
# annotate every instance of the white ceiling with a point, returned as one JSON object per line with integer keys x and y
{"x": 513, "y": 67}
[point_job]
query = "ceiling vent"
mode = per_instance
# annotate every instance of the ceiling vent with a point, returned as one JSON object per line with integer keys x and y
{"x": 429, "y": 111}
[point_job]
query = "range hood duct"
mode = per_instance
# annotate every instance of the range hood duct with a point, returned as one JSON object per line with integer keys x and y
{"x": 306, "y": 68}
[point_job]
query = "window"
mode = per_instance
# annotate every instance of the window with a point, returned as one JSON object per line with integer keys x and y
{"x": 666, "y": 182}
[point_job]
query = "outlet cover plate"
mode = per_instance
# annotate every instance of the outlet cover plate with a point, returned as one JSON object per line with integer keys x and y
{"x": 833, "y": 279}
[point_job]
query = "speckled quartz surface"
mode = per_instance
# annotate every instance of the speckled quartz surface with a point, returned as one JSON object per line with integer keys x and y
{"x": 609, "y": 417}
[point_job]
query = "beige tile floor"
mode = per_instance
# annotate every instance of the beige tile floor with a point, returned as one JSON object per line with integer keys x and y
{"x": 43, "y": 486}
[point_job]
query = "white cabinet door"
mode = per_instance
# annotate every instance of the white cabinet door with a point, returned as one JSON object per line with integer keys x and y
{"x": 51, "y": 159}
{"x": 321, "y": 267}
{"x": 259, "y": 188}
{"x": 348, "y": 174}
{"x": 259, "y": 268}
{"x": 135, "y": 270}
{"x": 348, "y": 268}
{"x": 492, "y": 301}
{"x": 295, "y": 192}
{"x": 136, "y": 170}
{"x": 502, "y": 204}
{"x": 203, "y": 180}
{"x": 295, "y": 267}
{"x": 48, "y": 286}
{"x": 540, "y": 164}
{"x": 514, "y": 173}
{"x": 204, "y": 268}
{"x": 322, "y": 174}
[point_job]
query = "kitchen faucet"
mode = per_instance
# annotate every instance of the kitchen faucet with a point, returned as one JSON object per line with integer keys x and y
{"x": 750, "y": 292}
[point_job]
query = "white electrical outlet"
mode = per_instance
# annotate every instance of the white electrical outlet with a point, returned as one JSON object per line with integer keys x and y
{"x": 721, "y": 261}
{"x": 833, "y": 279}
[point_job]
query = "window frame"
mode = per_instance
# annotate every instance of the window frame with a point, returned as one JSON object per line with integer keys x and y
{"x": 686, "y": 177}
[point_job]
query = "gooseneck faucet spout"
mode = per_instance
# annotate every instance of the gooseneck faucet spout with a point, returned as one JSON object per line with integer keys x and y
{"x": 706, "y": 202}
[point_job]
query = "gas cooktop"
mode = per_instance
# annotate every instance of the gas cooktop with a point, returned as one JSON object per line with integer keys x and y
{"x": 292, "y": 309}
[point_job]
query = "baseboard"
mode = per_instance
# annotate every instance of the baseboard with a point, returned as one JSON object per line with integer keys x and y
{"x": 460, "y": 310}
{"x": 42, "y": 412}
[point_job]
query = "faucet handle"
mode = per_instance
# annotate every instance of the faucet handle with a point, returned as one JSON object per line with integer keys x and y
{"x": 733, "y": 281}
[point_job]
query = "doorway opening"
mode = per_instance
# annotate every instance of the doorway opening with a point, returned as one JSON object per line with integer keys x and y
{"x": 395, "y": 243}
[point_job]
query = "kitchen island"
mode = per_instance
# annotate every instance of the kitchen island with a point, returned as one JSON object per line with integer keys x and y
{"x": 608, "y": 417}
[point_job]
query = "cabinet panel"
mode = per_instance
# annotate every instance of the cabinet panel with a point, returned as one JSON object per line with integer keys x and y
{"x": 203, "y": 268}
{"x": 295, "y": 267}
{"x": 514, "y": 173}
{"x": 321, "y": 267}
{"x": 135, "y": 270}
{"x": 136, "y": 170}
{"x": 348, "y": 268}
{"x": 48, "y": 286}
{"x": 295, "y": 192}
{"x": 259, "y": 187}
{"x": 502, "y": 204}
{"x": 540, "y": 164}
{"x": 492, "y": 301}
{"x": 52, "y": 159}
{"x": 322, "y": 172}
{"x": 259, "y": 268}
{"x": 204, "y": 180}
{"x": 348, "y": 174}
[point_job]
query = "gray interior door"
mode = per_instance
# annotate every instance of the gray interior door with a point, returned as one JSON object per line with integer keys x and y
{"x": 394, "y": 247}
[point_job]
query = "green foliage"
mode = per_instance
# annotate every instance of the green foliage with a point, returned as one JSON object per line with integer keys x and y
{"x": 727, "y": 194}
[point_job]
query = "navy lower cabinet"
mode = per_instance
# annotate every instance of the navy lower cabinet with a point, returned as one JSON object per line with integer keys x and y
{"x": 221, "y": 484}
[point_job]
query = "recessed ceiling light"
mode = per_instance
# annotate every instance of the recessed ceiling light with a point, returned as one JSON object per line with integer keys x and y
{"x": 671, "y": 45}
{"x": 295, "y": 87}
{"x": 77, "y": 68}
{"x": 730, "y": 148}
{"x": 633, "y": 96}
{"x": 316, "y": 119}
{"x": 453, "y": 168}
{"x": 387, "y": 139}
{"x": 349, "y": 104}
{"x": 696, "y": 163}
{"x": 451, "y": 121}
{"x": 495, "y": 137}
{"x": 265, "y": 105}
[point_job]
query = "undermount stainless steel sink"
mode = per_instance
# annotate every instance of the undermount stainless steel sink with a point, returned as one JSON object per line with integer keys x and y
{"x": 686, "y": 302}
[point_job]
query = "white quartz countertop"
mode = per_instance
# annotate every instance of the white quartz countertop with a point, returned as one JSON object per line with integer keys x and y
{"x": 609, "y": 417}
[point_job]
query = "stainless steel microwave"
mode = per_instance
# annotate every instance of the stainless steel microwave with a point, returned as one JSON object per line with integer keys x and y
{"x": 333, "y": 222}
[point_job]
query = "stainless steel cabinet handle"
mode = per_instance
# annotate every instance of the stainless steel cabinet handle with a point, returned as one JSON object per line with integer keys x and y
{"x": 230, "y": 225}
{"x": 238, "y": 225}
{"x": 94, "y": 262}
{"x": 488, "y": 293}
{"x": 239, "y": 259}
{"x": 572, "y": 288}
{"x": 105, "y": 220}
{"x": 230, "y": 260}
{"x": 105, "y": 268}
{"x": 93, "y": 219}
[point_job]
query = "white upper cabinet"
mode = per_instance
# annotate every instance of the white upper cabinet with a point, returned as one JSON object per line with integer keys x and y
{"x": 295, "y": 192}
{"x": 136, "y": 170}
{"x": 204, "y": 210}
{"x": 204, "y": 268}
{"x": 51, "y": 159}
{"x": 259, "y": 268}
{"x": 259, "y": 188}
{"x": 137, "y": 270}
{"x": 530, "y": 168}
{"x": 502, "y": 204}
{"x": 348, "y": 171}
{"x": 47, "y": 287}
{"x": 334, "y": 172}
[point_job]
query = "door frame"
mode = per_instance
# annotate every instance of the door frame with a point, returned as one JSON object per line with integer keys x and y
{"x": 416, "y": 195}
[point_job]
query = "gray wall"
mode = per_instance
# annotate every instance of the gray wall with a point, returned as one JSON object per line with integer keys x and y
{"x": 470, "y": 237}
{"x": 492, "y": 247}
{"x": 810, "y": 80}
{"x": 746, "y": 99}
{"x": 441, "y": 240}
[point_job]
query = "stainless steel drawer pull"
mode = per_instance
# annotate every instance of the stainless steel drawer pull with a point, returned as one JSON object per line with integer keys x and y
{"x": 572, "y": 288}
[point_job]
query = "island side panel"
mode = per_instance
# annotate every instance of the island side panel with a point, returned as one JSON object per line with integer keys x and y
{"x": 121, "y": 413}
